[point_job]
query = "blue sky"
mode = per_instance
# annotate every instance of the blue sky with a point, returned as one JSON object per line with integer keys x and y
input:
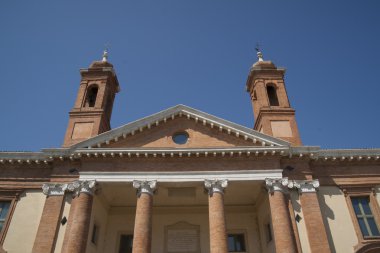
{"x": 196, "y": 53}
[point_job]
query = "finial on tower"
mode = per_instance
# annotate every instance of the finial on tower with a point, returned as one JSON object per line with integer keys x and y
{"x": 259, "y": 54}
{"x": 105, "y": 55}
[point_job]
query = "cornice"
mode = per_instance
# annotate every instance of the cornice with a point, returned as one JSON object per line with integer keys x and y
{"x": 272, "y": 110}
{"x": 188, "y": 113}
{"x": 255, "y": 72}
{"x": 46, "y": 156}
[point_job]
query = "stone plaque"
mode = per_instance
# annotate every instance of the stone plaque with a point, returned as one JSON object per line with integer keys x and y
{"x": 182, "y": 237}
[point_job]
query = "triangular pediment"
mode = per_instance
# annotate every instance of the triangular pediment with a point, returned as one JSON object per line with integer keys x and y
{"x": 157, "y": 130}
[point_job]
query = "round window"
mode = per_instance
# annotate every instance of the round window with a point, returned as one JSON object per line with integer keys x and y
{"x": 180, "y": 138}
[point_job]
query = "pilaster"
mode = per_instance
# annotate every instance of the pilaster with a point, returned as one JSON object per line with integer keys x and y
{"x": 312, "y": 214}
{"x": 51, "y": 215}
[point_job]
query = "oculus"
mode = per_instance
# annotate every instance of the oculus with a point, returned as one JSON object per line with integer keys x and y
{"x": 180, "y": 138}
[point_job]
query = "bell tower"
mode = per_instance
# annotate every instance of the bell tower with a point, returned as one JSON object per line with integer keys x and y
{"x": 92, "y": 110}
{"x": 271, "y": 108}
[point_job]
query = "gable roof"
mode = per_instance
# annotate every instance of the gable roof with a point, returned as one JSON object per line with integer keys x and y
{"x": 171, "y": 113}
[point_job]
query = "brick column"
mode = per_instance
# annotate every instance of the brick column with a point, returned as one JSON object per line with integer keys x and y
{"x": 217, "y": 219}
{"x": 282, "y": 226}
{"x": 316, "y": 230}
{"x": 142, "y": 235}
{"x": 50, "y": 220}
{"x": 75, "y": 240}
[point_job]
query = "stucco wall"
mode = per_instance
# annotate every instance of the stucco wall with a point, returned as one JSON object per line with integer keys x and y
{"x": 62, "y": 228}
{"x": 302, "y": 232}
{"x": 99, "y": 216}
{"x": 340, "y": 229}
{"x": 24, "y": 224}
{"x": 121, "y": 220}
{"x": 264, "y": 217}
{"x": 245, "y": 222}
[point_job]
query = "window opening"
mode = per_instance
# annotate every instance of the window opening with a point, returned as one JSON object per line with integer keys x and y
{"x": 272, "y": 95}
{"x": 126, "y": 243}
{"x": 95, "y": 234}
{"x": 268, "y": 232}
{"x": 236, "y": 243}
{"x": 180, "y": 138}
{"x": 4, "y": 208}
{"x": 364, "y": 216}
{"x": 91, "y": 96}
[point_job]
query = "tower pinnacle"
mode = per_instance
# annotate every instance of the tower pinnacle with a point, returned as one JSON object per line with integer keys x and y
{"x": 259, "y": 53}
{"x": 105, "y": 55}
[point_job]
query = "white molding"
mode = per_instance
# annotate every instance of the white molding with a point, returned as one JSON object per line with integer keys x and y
{"x": 82, "y": 186}
{"x": 148, "y": 187}
{"x": 213, "y": 186}
{"x": 304, "y": 186}
{"x": 52, "y": 189}
{"x": 181, "y": 176}
{"x": 277, "y": 184}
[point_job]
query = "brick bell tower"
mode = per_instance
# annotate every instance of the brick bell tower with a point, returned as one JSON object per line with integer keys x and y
{"x": 271, "y": 108}
{"x": 92, "y": 110}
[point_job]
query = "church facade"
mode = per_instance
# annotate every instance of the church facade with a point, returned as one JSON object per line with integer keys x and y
{"x": 185, "y": 181}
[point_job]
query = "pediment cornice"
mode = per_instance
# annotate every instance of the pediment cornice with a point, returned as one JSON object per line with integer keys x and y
{"x": 180, "y": 111}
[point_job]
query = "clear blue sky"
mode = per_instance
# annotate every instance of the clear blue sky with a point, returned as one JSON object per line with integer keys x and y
{"x": 196, "y": 53}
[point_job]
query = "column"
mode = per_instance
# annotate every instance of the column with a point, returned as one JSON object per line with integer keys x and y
{"x": 50, "y": 220}
{"x": 142, "y": 235}
{"x": 311, "y": 210}
{"x": 217, "y": 219}
{"x": 75, "y": 240}
{"x": 283, "y": 233}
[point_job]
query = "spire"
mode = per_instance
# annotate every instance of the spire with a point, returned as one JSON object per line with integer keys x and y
{"x": 105, "y": 55}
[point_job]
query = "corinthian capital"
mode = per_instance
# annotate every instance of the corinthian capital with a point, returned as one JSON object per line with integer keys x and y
{"x": 276, "y": 184}
{"x": 54, "y": 189}
{"x": 213, "y": 186}
{"x": 304, "y": 186}
{"x": 148, "y": 187}
{"x": 77, "y": 187}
